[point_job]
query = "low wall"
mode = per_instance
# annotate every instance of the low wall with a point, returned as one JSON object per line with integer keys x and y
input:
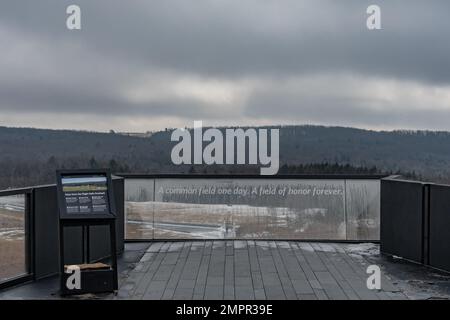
{"x": 439, "y": 226}
{"x": 401, "y": 231}
{"x": 415, "y": 222}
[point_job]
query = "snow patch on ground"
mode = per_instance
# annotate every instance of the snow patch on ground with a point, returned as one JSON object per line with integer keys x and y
{"x": 306, "y": 247}
{"x": 283, "y": 245}
{"x": 264, "y": 245}
{"x": 10, "y": 234}
{"x": 176, "y": 246}
{"x": 240, "y": 244}
{"x": 323, "y": 247}
{"x": 363, "y": 249}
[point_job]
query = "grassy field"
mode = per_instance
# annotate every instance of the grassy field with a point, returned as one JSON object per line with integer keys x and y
{"x": 203, "y": 221}
{"x": 12, "y": 244}
{"x": 85, "y": 188}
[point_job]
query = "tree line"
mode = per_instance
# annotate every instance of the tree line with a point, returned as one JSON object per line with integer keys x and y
{"x": 31, "y": 156}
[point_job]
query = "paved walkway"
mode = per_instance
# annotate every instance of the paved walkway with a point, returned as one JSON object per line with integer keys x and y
{"x": 253, "y": 270}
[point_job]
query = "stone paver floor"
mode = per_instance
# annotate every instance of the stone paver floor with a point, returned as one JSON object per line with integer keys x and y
{"x": 252, "y": 270}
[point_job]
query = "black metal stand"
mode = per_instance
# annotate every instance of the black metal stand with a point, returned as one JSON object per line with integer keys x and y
{"x": 92, "y": 281}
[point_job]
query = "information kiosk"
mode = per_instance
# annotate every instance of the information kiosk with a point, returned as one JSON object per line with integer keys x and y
{"x": 85, "y": 199}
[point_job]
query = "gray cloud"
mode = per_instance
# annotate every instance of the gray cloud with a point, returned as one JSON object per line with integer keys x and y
{"x": 128, "y": 60}
{"x": 354, "y": 112}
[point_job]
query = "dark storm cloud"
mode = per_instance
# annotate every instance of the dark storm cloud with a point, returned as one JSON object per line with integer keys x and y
{"x": 48, "y": 68}
{"x": 255, "y": 37}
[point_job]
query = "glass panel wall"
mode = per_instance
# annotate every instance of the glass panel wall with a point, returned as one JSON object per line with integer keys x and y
{"x": 363, "y": 209}
{"x": 204, "y": 208}
{"x": 139, "y": 208}
{"x": 13, "y": 260}
{"x": 250, "y": 208}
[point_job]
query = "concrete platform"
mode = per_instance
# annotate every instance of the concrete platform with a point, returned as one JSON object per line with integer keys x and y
{"x": 247, "y": 270}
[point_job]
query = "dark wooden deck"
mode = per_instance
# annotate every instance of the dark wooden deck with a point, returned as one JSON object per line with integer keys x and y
{"x": 245, "y": 270}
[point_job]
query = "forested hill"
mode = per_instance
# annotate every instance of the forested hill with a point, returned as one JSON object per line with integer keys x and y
{"x": 31, "y": 156}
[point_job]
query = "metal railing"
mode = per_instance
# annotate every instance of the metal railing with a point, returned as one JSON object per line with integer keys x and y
{"x": 301, "y": 207}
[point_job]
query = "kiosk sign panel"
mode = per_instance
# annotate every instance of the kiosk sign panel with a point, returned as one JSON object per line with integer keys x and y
{"x": 85, "y": 195}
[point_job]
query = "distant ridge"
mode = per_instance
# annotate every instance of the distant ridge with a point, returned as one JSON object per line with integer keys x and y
{"x": 30, "y": 156}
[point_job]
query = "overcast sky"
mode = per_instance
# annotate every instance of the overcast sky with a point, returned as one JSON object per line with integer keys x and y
{"x": 147, "y": 65}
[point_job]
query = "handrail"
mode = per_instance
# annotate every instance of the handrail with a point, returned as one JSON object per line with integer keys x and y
{"x": 249, "y": 176}
{"x": 18, "y": 191}
{"x": 7, "y": 192}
